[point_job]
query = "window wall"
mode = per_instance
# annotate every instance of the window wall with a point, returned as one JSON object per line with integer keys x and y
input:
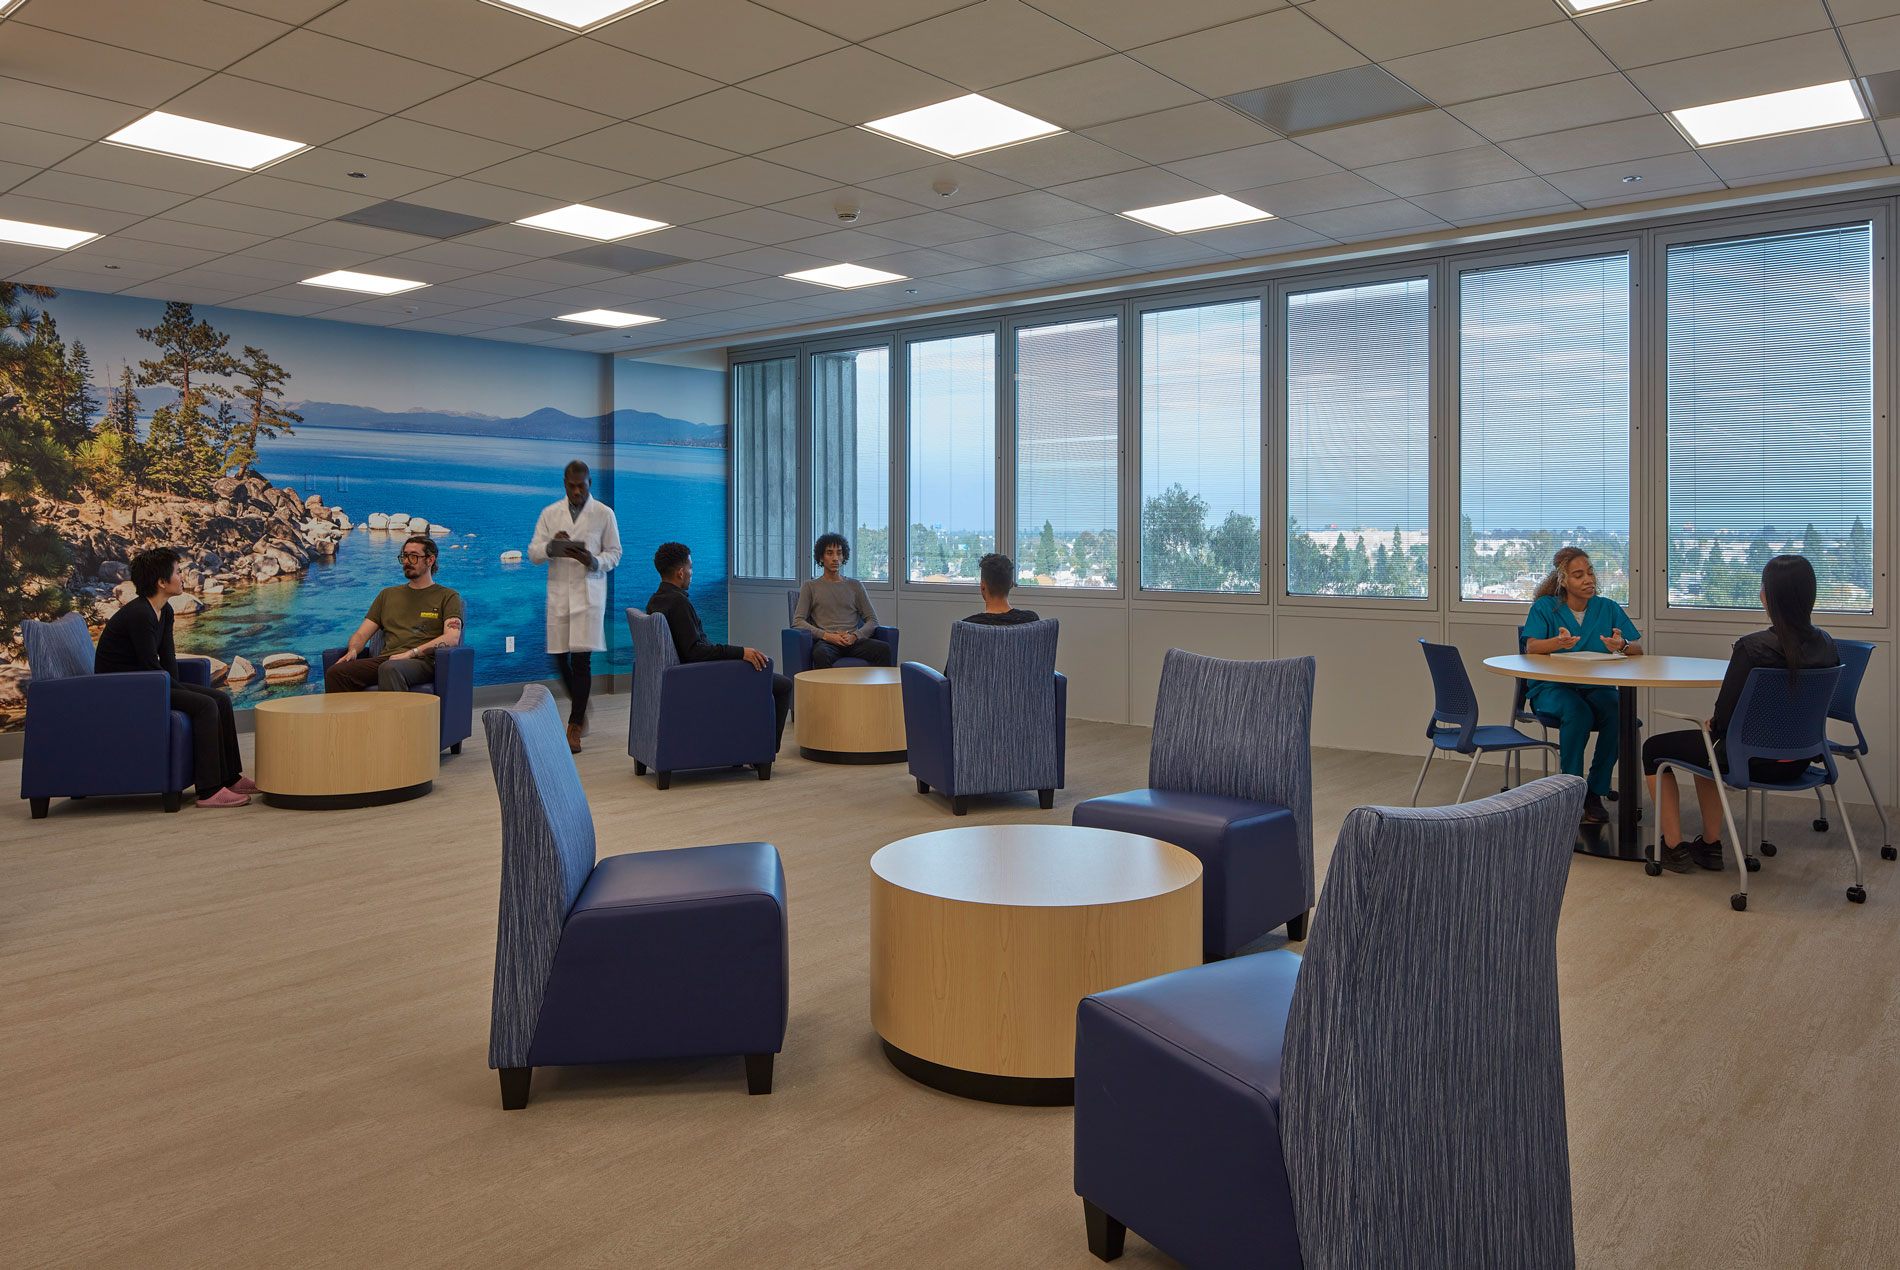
{"x": 1068, "y": 453}
{"x": 1543, "y": 423}
{"x": 952, "y": 414}
{"x": 765, "y": 468}
{"x": 1770, "y": 411}
{"x": 850, "y": 455}
{"x": 1358, "y": 439}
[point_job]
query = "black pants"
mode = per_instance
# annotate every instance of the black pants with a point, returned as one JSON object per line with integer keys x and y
{"x": 873, "y": 652}
{"x": 1684, "y": 745}
{"x": 577, "y": 672}
{"x": 781, "y": 706}
{"x": 214, "y": 741}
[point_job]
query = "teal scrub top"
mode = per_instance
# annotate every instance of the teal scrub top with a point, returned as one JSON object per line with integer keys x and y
{"x": 1600, "y": 616}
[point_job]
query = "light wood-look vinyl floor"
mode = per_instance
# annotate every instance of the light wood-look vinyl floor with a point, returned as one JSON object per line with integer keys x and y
{"x": 259, "y": 1037}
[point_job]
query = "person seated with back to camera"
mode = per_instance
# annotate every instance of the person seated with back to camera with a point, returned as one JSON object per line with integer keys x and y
{"x": 836, "y": 612}
{"x": 995, "y": 575}
{"x": 674, "y": 563}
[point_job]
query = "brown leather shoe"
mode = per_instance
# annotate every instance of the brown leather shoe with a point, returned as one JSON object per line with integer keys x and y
{"x": 573, "y": 739}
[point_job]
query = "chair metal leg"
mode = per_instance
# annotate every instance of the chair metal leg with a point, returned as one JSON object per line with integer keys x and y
{"x": 1856, "y": 892}
{"x": 1820, "y": 807}
{"x": 1546, "y": 749}
{"x": 1106, "y": 1235}
{"x": 1469, "y": 773}
{"x": 1873, "y": 796}
{"x": 1429, "y": 754}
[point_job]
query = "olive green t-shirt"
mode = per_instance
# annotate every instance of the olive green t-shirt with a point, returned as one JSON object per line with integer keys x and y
{"x": 411, "y": 617}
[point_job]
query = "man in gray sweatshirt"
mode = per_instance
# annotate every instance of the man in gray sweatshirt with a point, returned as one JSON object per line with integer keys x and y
{"x": 837, "y": 612}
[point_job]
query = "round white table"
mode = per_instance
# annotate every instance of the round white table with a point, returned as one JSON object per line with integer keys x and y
{"x": 1626, "y": 675}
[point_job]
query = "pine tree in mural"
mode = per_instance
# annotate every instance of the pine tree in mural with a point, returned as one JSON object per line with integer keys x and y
{"x": 121, "y": 427}
{"x": 33, "y": 559}
{"x": 192, "y": 358}
{"x": 263, "y": 394}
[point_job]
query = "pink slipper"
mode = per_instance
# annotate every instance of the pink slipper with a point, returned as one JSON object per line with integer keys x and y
{"x": 224, "y": 798}
{"x": 243, "y": 785}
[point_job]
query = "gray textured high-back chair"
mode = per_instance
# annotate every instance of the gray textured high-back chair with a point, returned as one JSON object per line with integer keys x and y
{"x": 1394, "y": 1098}
{"x": 995, "y": 720}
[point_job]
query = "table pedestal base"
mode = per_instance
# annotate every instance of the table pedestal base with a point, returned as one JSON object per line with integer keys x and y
{"x": 852, "y": 756}
{"x": 1017, "y": 1091}
{"x": 337, "y": 802}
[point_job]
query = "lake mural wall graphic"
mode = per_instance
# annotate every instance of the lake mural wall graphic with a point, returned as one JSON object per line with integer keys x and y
{"x": 265, "y": 448}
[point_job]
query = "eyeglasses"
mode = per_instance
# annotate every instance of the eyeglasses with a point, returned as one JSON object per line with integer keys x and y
{"x": 415, "y": 555}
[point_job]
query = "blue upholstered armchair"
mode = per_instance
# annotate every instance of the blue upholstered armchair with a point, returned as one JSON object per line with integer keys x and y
{"x": 652, "y": 955}
{"x": 995, "y": 720}
{"x": 453, "y": 686}
{"x": 1230, "y": 776}
{"x": 707, "y": 714}
{"x": 796, "y": 644}
{"x": 1394, "y": 1098}
{"x": 93, "y": 735}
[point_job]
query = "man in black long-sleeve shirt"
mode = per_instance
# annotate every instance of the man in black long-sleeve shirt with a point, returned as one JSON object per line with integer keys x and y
{"x": 674, "y": 563}
{"x": 139, "y": 637}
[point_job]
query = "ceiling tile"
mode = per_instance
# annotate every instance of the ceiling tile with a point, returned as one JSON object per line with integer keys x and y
{"x": 1664, "y": 174}
{"x": 777, "y": 288}
{"x": 1383, "y": 30}
{"x": 1270, "y": 49}
{"x": 1029, "y": 211}
{"x": 848, "y": 245}
{"x": 1456, "y": 169}
{"x": 1643, "y": 34}
{"x": 463, "y": 256}
{"x": 332, "y": 168}
{"x": 851, "y": 155}
{"x": 60, "y": 112}
{"x": 474, "y": 198}
{"x": 474, "y": 39}
{"x": 1144, "y": 187}
{"x": 701, "y": 37}
{"x": 1105, "y": 89}
{"x": 1127, "y": 24}
{"x": 1848, "y": 11}
{"x": 932, "y": 229}
{"x": 424, "y": 146}
{"x": 11, "y": 174}
{"x": 1873, "y": 46}
{"x": 1053, "y": 160}
{"x": 1372, "y": 220}
{"x": 1829, "y": 149}
{"x": 602, "y": 78}
{"x": 1315, "y": 194}
{"x": 87, "y": 191}
{"x": 1642, "y": 138}
{"x": 190, "y": 31}
{"x": 1262, "y": 239}
{"x": 1481, "y": 203}
{"x": 1098, "y": 231}
{"x": 319, "y": 256}
{"x": 662, "y": 201}
{"x": 384, "y": 242}
{"x": 752, "y": 180}
{"x": 293, "y": 196}
{"x": 1253, "y": 166}
{"x": 774, "y": 260}
{"x": 507, "y": 115}
{"x": 559, "y": 179}
{"x": 761, "y": 225}
{"x": 1503, "y": 64}
{"x": 1184, "y": 132}
{"x": 971, "y": 184}
{"x": 700, "y": 273}
{"x": 39, "y": 56}
{"x": 326, "y": 67}
{"x": 1778, "y": 65}
{"x": 140, "y": 167}
{"x": 1389, "y": 140}
{"x": 853, "y": 85}
{"x": 640, "y": 151}
{"x": 159, "y": 230}
{"x": 919, "y": 262}
{"x": 872, "y": 207}
{"x": 986, "y": 280}
{"x": 1161, "y": 252}
{"x": 245, "y": 103}
{"x": 988, "y": 43}
{"x": 1553, "y": 109}
{"x": 862, "y": 19}
{"x": 692, "y": 244}
{"x": 1068, "y": 266}
{"x": 737, "y": 120}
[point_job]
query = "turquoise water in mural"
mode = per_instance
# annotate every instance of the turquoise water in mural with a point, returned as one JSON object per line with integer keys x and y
{"x": 488, "y": 491}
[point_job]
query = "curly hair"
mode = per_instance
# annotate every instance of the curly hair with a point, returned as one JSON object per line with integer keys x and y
{"x": 670, "y": 556}
{"x": 1553, "y": 583}
{"x": 830, "y": 540}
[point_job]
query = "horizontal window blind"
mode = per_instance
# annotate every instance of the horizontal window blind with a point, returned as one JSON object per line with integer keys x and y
{"x": 765, "y": 468}
{"x": 1358, "y": 440}
{"x": 952, "y": 414}
{"x": 1771, "y": 415}
{"x": 1543, "y": 423}
{"x": 1068, "y": 453}
{"x": 1200, "y": 448}
{"x": 850, "y": 456}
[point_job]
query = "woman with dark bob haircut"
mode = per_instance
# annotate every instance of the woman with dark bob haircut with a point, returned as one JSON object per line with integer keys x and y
{"x": 1793, "y": 641}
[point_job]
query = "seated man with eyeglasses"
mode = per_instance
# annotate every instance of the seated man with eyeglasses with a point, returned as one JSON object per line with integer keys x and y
{"x": 415, "y": 618}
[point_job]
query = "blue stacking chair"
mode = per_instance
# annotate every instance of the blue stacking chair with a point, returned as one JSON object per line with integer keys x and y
{"x": 1778, "y": 720}
{"x": 1524, "y": 714}
{"x": 796, "y": 644}
{"x": 1854, "y": 657}
{"x": 1454, "y": 723}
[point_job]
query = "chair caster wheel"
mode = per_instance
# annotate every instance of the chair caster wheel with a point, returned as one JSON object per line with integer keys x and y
{"x": 1820, "y": 825}
{"x": 1887, "y": 853}
{"x": 1652, "y": 868}
{"x": 1858, "y": 894}
{"x": 1754, "y": 865}
{"x": 1769, "y": 848}
{"x": 1738, "y": 902}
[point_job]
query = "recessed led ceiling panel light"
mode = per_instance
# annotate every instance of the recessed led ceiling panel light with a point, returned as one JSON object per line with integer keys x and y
{"x": 1215, "y": 212}
{"x": 575, "y": 15}
{"x": 31, "y": 235}
{"x": 608, "y": 317}
{"x": 845, "y": 276}
{"x": 204, "y": 142}
{"x": 5, "y": 5}
{"x": 962, "y": 126}
{"x": 1595, "y": 6}
{"x": 1772, "y": 114}
{"x": 596, "y": 223}
{"x": 372, "y": 283}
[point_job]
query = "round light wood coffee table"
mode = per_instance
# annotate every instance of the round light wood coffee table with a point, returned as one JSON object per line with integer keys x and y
{"x": 984, "y": 939}
{"x": 356, "y": 749}
{"x": 851, "y": 714}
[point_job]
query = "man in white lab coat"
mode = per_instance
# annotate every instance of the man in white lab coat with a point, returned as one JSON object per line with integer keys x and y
{"x": 578, "y": 539}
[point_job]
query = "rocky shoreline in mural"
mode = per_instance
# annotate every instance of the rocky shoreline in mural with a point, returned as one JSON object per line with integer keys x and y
{"x": 249, "y": 533}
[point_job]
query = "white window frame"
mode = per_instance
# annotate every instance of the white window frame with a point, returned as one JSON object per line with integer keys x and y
{"x": 808, "y": 474}
{"x": 900, "y": 416}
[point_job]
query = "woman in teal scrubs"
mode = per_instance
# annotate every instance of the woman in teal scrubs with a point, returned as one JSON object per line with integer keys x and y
{"x": 1568, "y": 616}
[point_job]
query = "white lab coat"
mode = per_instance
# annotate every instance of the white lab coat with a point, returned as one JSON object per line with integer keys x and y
{"x": 577, "y": 595}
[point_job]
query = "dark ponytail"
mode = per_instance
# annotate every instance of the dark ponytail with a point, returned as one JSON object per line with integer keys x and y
{"x": 1787, "y": 592}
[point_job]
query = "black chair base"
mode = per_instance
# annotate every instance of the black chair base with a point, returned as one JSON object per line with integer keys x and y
{"x": 1047, "y": 798}
{"x": 514, "y": 1086}
{"x": 456, "y": 748}
{"x": 1106, "y": 1235}
{"x": 41, "y": 806}
{"x": 758, "y": 1073}
{"x": 1296, "y": 927}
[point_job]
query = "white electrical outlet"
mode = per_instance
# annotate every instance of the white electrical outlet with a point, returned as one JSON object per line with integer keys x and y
{"x": 511, "y": 645}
